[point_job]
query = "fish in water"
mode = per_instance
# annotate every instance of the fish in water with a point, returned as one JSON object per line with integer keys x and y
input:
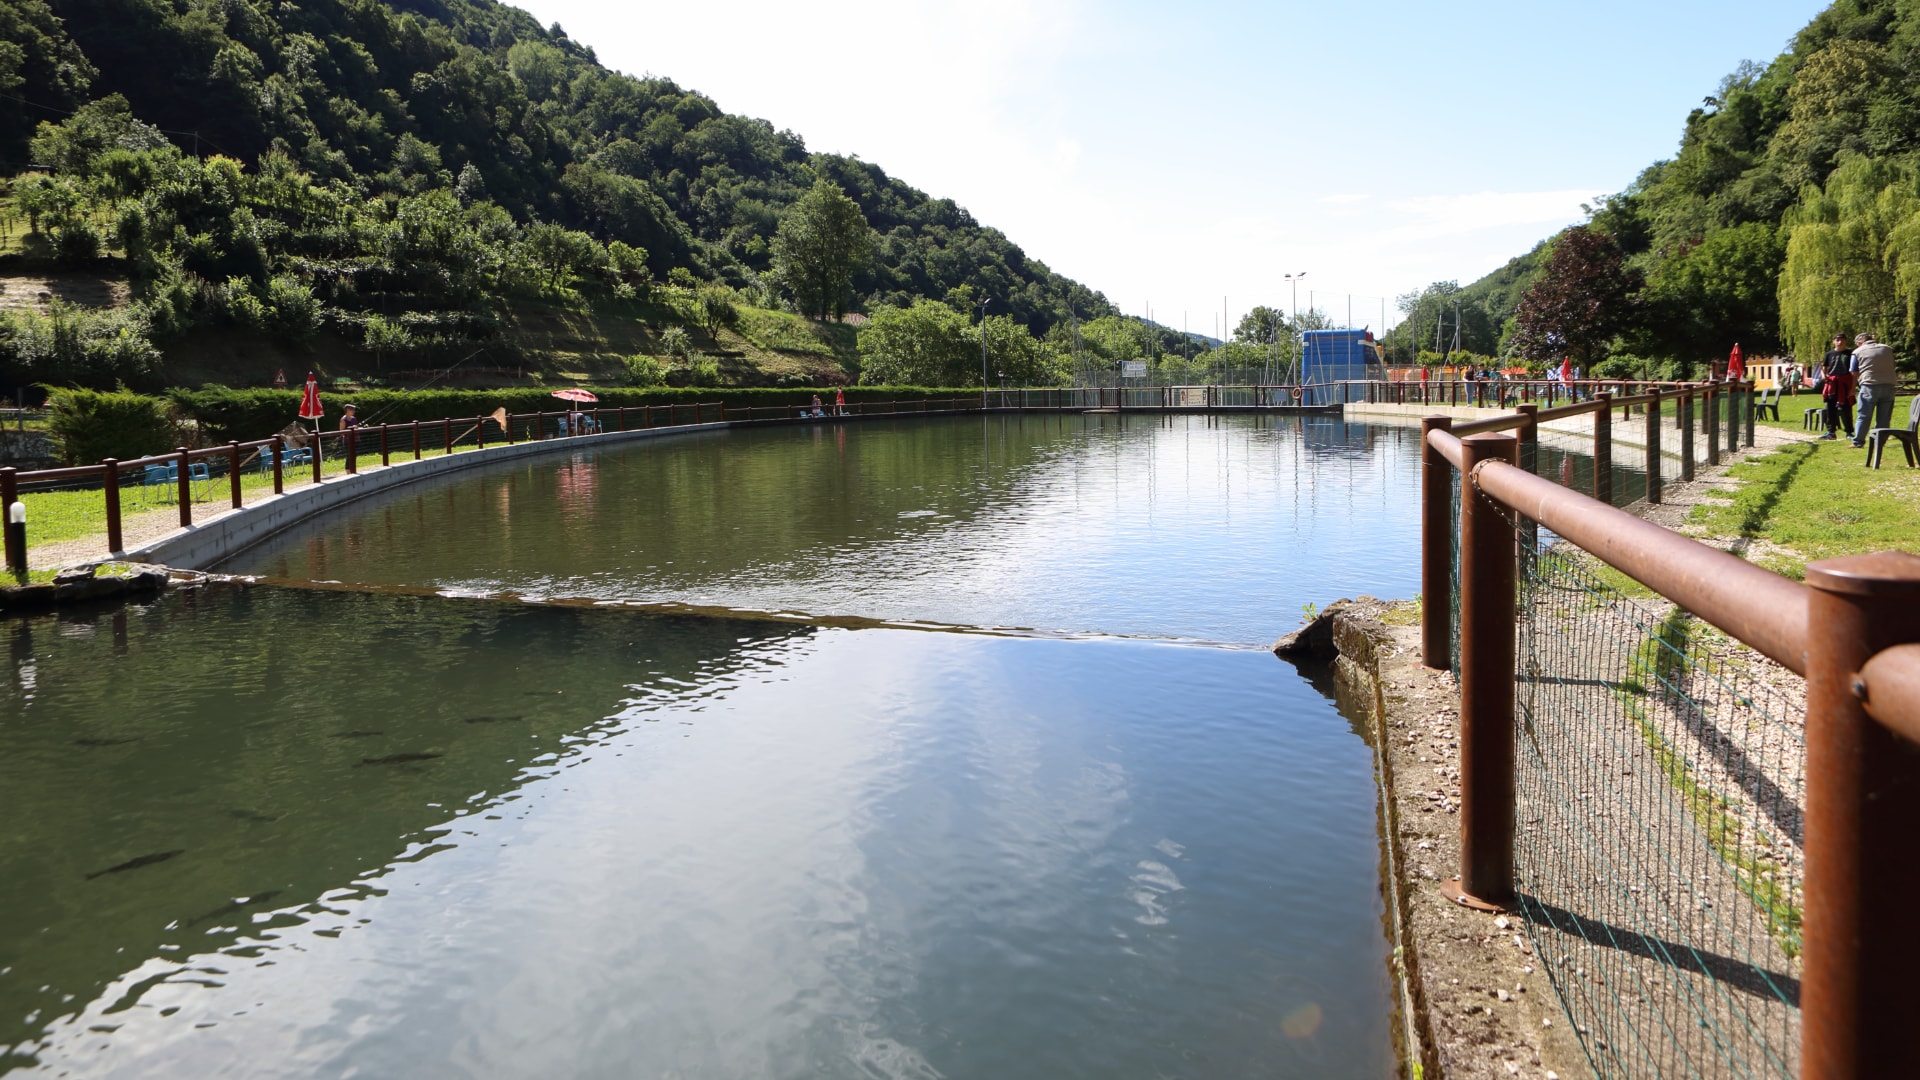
{"x": 137, "y": 863}
{"x": 103, "y": 742}
{"x": 397, "y": 759}
{"x": 238, "y": 903}
{"x": 356, "y": 734}
{"x": 495, "y": 719}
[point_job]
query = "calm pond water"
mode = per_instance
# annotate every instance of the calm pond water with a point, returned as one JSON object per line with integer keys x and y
{"x": 1185, "y": 527}
{"x": 286, "y": 832}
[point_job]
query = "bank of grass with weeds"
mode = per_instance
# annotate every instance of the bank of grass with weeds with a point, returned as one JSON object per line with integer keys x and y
{"x": 1817, "y": 500}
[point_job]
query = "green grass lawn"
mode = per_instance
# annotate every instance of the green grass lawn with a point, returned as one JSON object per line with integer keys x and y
{"x": 1819, "y": 500}
{"x": 76, "y": 513}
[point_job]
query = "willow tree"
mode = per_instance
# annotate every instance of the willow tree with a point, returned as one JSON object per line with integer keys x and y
{"x": 1853, "y": 255}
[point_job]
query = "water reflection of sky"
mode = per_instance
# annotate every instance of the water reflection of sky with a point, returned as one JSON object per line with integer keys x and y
{"x": 777, "y": 853}
{"x": 411, "y": 835}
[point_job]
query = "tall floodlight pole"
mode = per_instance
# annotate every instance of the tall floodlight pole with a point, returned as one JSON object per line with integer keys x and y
{"x": 1295, "y": 280}
{"x": 983, "y": 349}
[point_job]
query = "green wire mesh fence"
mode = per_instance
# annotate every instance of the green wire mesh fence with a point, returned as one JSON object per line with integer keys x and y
{"x": 1659, "y": 774}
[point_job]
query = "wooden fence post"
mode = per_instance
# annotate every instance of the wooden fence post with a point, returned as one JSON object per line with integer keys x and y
{"x": 233, "y": 471}
{"x": 278, "y": 448}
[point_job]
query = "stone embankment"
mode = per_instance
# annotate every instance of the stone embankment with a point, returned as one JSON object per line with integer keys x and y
{"x": 1475, "y": 999}
{"x": 101, "y": 581}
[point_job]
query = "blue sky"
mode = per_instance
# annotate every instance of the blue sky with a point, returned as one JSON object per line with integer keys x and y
{"x": 1179, "y": 154}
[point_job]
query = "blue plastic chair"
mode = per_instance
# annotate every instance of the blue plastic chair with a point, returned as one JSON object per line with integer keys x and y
{"x": 157, "y": 474}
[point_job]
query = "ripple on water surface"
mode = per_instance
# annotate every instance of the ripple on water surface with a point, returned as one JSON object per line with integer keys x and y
{"x": 288, "y": 833}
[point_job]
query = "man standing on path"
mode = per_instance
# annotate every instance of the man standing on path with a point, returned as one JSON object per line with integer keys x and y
{"x": 1836, "y": 386}
{"x": 1873, "y": 370}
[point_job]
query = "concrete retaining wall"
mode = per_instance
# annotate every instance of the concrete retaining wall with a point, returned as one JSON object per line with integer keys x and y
{"x": 207, "y": 542}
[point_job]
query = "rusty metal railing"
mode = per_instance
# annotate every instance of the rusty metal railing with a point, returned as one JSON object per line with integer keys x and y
{"x": 187, "y": 476}
{"x": 1852, "y": 629}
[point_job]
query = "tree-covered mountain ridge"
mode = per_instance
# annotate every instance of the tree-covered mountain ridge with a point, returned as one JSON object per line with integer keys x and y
{"x": 1790, "y": 213}
{"x": 405, "y": 178}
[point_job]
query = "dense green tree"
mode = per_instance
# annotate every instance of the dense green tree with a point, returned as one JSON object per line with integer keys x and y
{"x": 717, "y": 308}
{"x": 824, "y": 240}
{"x": 1702, "y": 299}
{"x": 932, "y": 344}
{"x": 1583, "y": 299}
{"x": 1014, "y": 357}
{"x": 41, "y": 70}
{"x": 561, "y": 252}
{"x": 925, "y": 344}
{"x": 1261, "y": 326}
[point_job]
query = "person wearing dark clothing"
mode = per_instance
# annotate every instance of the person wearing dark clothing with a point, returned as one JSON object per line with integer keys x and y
{"x": 1836, "y": 387}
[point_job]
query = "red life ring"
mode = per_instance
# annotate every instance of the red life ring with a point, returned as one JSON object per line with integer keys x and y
{"x": 1296, "y": 393}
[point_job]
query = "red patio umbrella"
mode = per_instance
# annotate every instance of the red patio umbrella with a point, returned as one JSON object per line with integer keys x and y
{"x": 1736, "y": 365}
{"x": 576, "y": 396}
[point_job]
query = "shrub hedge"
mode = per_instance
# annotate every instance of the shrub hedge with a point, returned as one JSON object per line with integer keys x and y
{"x": 88, "y": 425}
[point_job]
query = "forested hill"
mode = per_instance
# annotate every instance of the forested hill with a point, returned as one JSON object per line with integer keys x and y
{"x": 389, "y": 148}
{"x": 1790, "y": 212}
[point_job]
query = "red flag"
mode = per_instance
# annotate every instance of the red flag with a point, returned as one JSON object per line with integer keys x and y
{"x": 1736, "y": 367}
{"x": 1566, "y": 369}
{"x": 310, "y": 401}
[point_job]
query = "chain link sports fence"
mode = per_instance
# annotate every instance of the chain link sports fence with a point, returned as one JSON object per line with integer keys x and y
{"x": 1659, "y": 774}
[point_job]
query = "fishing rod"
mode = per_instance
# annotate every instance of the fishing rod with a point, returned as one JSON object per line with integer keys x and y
{"x": 448, "y": 370}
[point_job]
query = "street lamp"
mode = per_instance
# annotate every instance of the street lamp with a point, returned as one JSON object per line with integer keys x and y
{"x": 1294, "y": 280}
